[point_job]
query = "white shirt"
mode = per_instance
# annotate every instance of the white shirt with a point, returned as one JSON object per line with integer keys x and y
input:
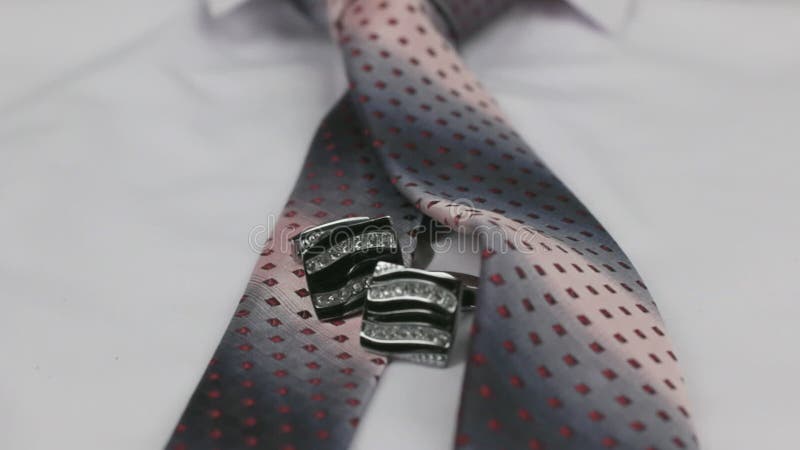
{"x": 142, "y": 151}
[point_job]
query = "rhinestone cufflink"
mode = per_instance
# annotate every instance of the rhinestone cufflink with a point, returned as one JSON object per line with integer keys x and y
{"x": 411, "y": 314}
{"x": 339, "y": 258}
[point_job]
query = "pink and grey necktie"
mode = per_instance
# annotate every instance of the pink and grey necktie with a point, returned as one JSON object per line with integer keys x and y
{"x": 568, "y": 350}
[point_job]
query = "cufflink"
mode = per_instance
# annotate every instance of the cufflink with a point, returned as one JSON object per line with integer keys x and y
{"x": 411, "y": 314}
{"x": 339, "y": 258}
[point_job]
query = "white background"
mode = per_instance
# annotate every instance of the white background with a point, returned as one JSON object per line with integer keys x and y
{"x": 138, "y": 150}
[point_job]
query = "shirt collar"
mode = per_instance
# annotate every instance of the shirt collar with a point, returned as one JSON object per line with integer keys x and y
{"x": 611, "y": 15}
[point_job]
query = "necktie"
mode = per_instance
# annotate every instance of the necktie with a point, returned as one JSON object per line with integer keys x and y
{"x": 568, "y": 350}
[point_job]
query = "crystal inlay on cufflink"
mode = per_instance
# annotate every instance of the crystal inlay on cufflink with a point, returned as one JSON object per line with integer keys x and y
{"x": 411, "y": 314}
{"x": 339, "y": 258}
{"x": 307, "y": 238}
{"x": 378, "y": 240}
{"x": 352, "y": 288}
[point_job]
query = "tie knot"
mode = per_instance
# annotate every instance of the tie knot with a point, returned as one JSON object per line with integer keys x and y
{"x": 456, "y": 19}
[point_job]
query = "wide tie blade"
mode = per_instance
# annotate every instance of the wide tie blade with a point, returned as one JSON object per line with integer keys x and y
{"x": 569, "y": 349}
{"x": 281, "y": 378}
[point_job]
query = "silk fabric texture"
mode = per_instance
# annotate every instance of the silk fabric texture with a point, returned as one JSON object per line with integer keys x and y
{"x": 567, "y": 351}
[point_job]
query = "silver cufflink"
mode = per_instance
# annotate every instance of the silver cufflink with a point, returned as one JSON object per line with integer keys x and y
{"x": 411, "y": 314}
{"x": 339, "y": 257}
{"x": 355, "y": 264}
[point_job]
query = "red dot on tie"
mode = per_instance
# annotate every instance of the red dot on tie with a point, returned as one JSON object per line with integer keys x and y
{"x": 570, "y": 360}
{"x": 596, "y": 416}
{"x": 609, "y": 442}
{"x": 535, "y": 444}
{"x": 497, "y": 279}
{"x": 503, "y": 311}
{"x": 609, "y": 374}
{"x": 637, "y": 425}
{"x": 544, "y": 372}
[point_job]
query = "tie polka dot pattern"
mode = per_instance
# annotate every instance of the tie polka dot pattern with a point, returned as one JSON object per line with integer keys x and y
{"x": 281, "y": 379}
{"x": 568, "y": 349}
